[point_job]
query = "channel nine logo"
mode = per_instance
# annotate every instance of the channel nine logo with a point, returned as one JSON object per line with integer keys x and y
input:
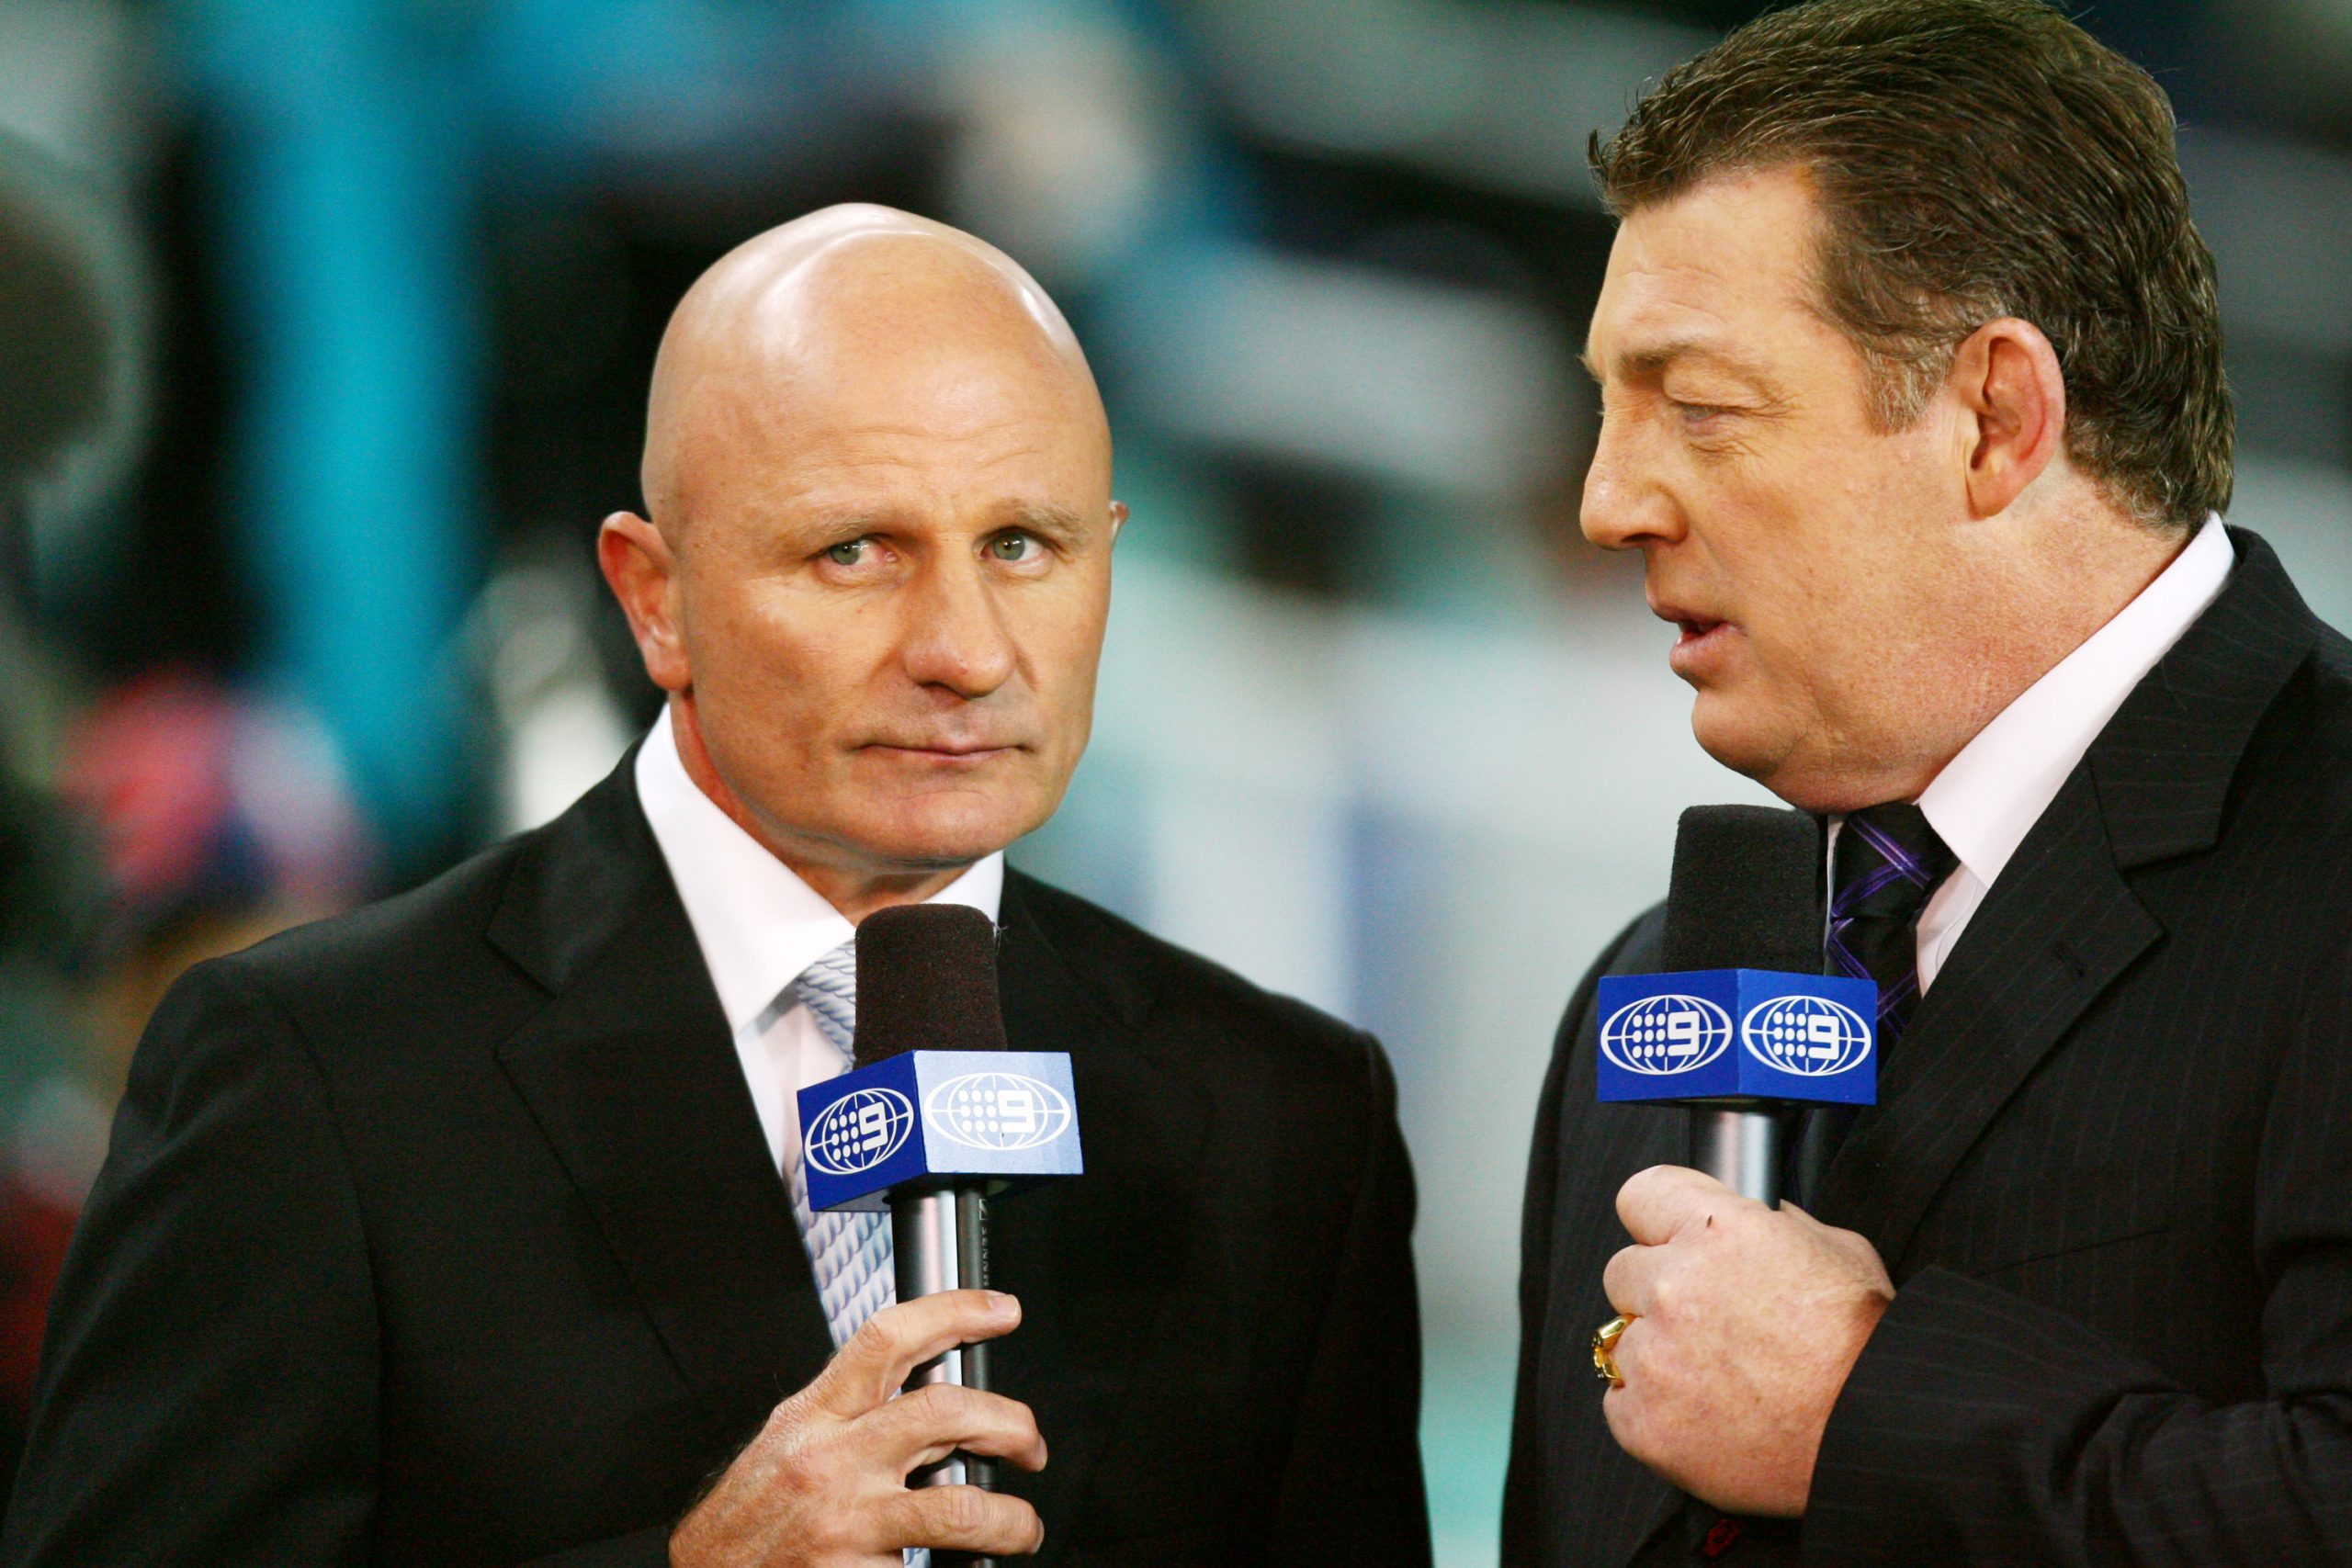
{"x": 1810, "y": 1036}
{"x": 860, "y": 1130}
{"x": 997, "y": 1111}
{"x": 1659, "y": 1036}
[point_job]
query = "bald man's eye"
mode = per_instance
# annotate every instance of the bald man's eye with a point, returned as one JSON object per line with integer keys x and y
{"x": 849, "y": 552}
{"x": 1012, "y": 548}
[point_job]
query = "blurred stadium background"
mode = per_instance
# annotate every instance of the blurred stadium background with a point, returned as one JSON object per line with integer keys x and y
{"x": 327, "y": 322}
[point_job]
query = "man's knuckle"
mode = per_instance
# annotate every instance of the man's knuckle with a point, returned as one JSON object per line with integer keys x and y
{"x": 791, "y": 1418}
{"x": 946, "y": 1402}
{"x": 876, "y": 1336}
{"x": 963, "y": 1509}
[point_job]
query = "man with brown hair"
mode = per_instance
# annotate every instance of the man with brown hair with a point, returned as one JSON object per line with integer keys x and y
{"x": 1910, "y": 370}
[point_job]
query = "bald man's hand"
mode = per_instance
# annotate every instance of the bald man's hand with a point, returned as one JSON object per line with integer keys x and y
{"x": 823, "y": 1485}
{"x": 1747, "y": 1321}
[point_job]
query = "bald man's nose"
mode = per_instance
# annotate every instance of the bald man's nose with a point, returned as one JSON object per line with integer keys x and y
{"x": 955, "y": 637}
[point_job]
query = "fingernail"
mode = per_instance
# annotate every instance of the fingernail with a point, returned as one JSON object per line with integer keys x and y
{"x": 1000, "y": 1303}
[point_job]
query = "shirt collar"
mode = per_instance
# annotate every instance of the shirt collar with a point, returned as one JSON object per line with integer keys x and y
{"x": 1989, "y": 796}
{"x": 757, "y": 923}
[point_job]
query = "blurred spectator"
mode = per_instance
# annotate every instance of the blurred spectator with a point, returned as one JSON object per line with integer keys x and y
{"x": 220, "y": 820}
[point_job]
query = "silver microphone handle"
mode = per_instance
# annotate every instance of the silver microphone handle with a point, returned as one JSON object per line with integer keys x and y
{"x": 1740, "y": 1143}
{"x": 939, "y": 1242}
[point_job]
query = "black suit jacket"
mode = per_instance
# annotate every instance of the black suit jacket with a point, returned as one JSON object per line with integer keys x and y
{"x": 2111, "y": 1171}
{"x": 445, "y": 1232}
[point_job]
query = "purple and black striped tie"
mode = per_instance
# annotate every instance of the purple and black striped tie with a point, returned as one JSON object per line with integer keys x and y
{"x": 1887, "y": 862}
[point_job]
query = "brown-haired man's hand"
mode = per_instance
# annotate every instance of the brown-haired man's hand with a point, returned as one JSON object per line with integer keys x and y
{"x": 1747, "y": 1321}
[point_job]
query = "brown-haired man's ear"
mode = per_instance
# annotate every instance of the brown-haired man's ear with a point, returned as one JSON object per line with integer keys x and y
{"x": 2007, "y": 378}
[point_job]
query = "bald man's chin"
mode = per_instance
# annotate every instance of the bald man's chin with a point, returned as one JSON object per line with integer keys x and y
{"x": 940, "y": 834}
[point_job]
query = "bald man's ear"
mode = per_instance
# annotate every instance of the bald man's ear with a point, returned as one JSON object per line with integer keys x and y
{"x": 1118, "y": 518}
{"x": 640, "y": 565}
{"x": 2007, "y": 378}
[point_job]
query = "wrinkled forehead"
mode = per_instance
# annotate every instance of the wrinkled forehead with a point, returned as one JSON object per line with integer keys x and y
{"x": 958, "y": 431}
{"x": 1726, "y": 272}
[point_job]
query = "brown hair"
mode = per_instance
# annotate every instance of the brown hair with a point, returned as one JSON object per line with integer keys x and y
{"x": 1974, "y": 159}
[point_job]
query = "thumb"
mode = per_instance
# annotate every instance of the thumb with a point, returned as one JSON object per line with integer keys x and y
{"x": 1657, "y": 1204}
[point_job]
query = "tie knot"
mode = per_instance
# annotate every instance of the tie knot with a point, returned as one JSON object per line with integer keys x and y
{"x": 827, "y": 988}
{"x": 1888, "y": 861}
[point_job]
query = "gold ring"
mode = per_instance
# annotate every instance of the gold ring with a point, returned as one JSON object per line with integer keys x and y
{"x": 1604, "y": 1341}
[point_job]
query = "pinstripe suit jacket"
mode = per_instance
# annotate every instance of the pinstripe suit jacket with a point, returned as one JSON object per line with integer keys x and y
{"x": 2111, "y": 1171}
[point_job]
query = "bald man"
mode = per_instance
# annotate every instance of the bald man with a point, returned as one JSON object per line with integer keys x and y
{"x": 469, "y": 1228}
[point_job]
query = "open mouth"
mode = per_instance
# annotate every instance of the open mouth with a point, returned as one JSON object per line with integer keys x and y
{"x": 1696, "y": 652}
{"x": 1697, "y": 630}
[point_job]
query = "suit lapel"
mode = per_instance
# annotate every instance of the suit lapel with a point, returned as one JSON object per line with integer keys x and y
{"x": 631, "y": 1076}
{"x": 2056, "y": 929}
{"x": 2061, "y": 923}
{"x": 1093, "y": 1259}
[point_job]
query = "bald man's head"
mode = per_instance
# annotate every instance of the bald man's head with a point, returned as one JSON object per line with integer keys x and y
{"x": 782, "y": 322}
{"x": 879, "y": 563}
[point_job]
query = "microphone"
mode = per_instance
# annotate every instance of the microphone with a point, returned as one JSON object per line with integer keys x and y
{"x": 1741, "y": 1026}
{"x": 936, "y": 1117}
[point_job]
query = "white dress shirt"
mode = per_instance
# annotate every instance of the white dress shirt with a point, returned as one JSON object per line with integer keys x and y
{"x": 759, "y": 925}
{"x": 1990, "y": 795}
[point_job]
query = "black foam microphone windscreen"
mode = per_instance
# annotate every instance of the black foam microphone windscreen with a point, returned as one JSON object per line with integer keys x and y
{"x": 926, "y": 980}
{"x": 1746, "y": 891}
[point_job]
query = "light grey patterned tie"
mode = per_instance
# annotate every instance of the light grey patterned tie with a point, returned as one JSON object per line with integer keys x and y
{"x": 849, "y": 1252}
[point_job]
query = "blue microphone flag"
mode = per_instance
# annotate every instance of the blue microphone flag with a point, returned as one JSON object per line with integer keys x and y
{"x": 920, "y": 1115}
{"x": 1738, "y": 1034}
